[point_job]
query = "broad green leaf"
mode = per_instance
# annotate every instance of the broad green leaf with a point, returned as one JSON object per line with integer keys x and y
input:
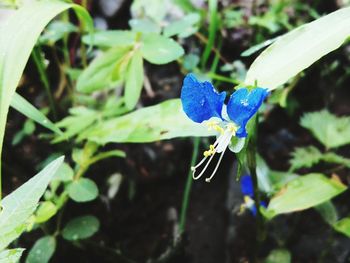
{"x": 27, "y": 22}
{"x": 144, "y": 26}
{"x": 81, "y": 228}
{"x": 45, "y": 211}
{"x": 83, "y": 190}
{"x": 42, "y": 250}
{"x": 304, "y": 192}
{"x": 328, "y": 212}
{"x": 278, "y": 179}
{"x": 134, "y": 80}
{"x": 184, "y": 27}
{"x": 343, "y": 226}
{"x": 330, "y": 130}
{"x": 158, "y": 49}
{"x": 111, "y": 38}
{"x": 306, "y": 157}
{"x": 11, "y": 255}
{"x": 279, "y": 256}
{"x": 20, "y": 204}
{"x": 298, "y": 49}
{"x": 100, "y": 74}
{"x": 160, "y": 122}
{"x": 23, "y": 106}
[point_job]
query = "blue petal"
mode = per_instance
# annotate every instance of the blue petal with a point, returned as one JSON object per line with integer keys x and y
{"x": 200, "y": 101}
{"x": 243, "y": 105}
{"x": 247, "y": 186}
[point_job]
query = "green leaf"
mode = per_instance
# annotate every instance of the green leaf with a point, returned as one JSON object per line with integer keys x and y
{"x": 184, "y": 27}
{"x": 305, "y": 157}
{"x": 65, "y": 173}
{"x": 298, "y": 49}
{"x": 42, "y": 250}
{"x": 144, "y": 26}
{"x": 100, "y": 74}
{"x": 45, "y": 211}
{"x": 258, "y": 47}
{"x": 111, "y": 38}
{"x": 55, "y": 31}
{"x": 11, "y": 255}
{"x": 20, "y": 204}
{"x": 330, "y": 130}
{"x": 163, "y": 121}
{"x": 23, "y": 106}
{"x": 134, "y": 80}
{"x": 158, "y": 49}
{"x": 27, "y": 22}
{"x": 81, "y": 228}
{"x": 328, "y": 212}
{"x": 279, "y": 256}
{"x": 343, "y": 226}
{"x": 83, "y": 190}
{"x": 304, "y": 192}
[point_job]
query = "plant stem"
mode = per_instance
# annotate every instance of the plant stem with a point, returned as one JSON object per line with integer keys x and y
{"x": 39, "y": 62}
{"x": 251, "y": 160}
{"x": 186, "y": 195}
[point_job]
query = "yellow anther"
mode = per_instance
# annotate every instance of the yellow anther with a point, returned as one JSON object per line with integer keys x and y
{"x": 218, "y": 129}
{"x": 206, "y": 153}
{"x": 209, "y": 152}
{"x": 232, "y": 128}
{"x": 211, "y": 147}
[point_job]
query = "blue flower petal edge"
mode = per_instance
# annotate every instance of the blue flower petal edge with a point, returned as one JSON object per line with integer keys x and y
{"x": 200, "y": 100}
{"x": 243, "y": 104}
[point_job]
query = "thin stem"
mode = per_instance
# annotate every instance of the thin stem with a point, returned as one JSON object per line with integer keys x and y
{"x": 39, "y": 62}
{"x": 251, "y": 160}
{"x": 186, "y": 195}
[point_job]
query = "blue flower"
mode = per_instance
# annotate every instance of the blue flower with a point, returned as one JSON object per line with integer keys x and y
{"x": 202, "y": 103}
{"x": 247, "y": 190}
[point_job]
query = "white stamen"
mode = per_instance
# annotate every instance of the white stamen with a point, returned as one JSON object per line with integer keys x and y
{"x": 216, "y": 167}
{"x": 205, "y": 168}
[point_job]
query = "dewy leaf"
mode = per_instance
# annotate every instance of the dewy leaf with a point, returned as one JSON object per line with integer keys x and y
{"x": 83, "y": 190}
{"x": 304, "y": 192}
{"x": 27, "y": 22}
{"x": 158, "y": 49}
{"x": 99, "y": 74}
{"x": 20, "y": 204}
{"x": 163, "y": 121}
{"x": 11, "y": 255}
{"x": 111, "y": 38}
{"x": 81, "y": 228}
{"x": 330, "y": 130}
{"x": 23, "y": 106}
{"x": 134, "y": 80}
{"x": 42, "y": 250}
{"x": 298, "y": 49}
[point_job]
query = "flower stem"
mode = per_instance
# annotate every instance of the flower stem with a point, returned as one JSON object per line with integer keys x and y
{"x": 251, "y": 160}
{"x": 186, "y": 195}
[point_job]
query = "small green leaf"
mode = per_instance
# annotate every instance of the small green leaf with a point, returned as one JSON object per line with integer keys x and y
{"x": 81, "y": 228}
{"x": 134, "y": 80}
{"x": 45, "y": 211}
{"x": 23, "y": 106}
{"x": 20, "y": 204}
{"x": 55, "y": 31}
{"x": 163, "y": 121}
{"x": 305, "y": 157}
{"x": 42, "y": 250}
{"x": 83, "y": 190}
{"x": 328, "y": 212}
{"x": 304, "y": 192}
{"x": 65, "y": 173}
{"x": 11, "y": 255}
{"x": 343, "y": 226}
{"x": 330, "y": 130}
{"x": 111, "y": 38}
{"x": 279, "y": 256}
{"x": 184, "y": 27}
{"x": 100, "y": 74}
{"x": 144, "y": 26}
{"x": 158, "y": 49}
{"x": 298, "y": 49}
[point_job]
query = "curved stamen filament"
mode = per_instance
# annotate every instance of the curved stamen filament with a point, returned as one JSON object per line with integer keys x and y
{"x": 205, "y": 168}
{"x": 216, "y": 167}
